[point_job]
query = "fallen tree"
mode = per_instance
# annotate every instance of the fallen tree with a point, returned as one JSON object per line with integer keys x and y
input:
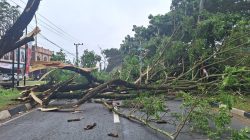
{"x": 11, "y": 39}
{"x": 96, "y": 90}
{"x": 188, "y": 81}
{"x": 86, "y": 72}
{"x": 111, "y": 91}
{"x": 46, "y": 95}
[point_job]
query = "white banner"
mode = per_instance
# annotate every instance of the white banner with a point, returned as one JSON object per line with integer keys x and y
{"x": 5, "y": 65}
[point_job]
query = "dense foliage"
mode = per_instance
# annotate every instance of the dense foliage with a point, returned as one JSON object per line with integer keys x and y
{"x": 89, "y": 59}
{"x": 205, "y": 43}
{"x": 195, "y": 40}
{"x": 59, "y": 56}
{"x": 60, "y": 75}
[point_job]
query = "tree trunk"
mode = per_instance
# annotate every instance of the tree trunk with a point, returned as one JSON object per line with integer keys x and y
{"x": 201, "y": 7}
{"x": 11, "y": 37}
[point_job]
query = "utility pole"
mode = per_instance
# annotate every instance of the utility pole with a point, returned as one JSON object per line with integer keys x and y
{"x": 13, "y": 70}
{"x": 18, "y": 65}
{"x": 25, "y": 61}
{"x": 13, "y": 63}
{"x": 77, "y": 53}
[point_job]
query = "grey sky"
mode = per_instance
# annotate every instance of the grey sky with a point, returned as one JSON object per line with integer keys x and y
{"x": 95, "y": 23}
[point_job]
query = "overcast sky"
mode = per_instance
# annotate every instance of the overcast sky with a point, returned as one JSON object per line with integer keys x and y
{"x": 96, "y": 23}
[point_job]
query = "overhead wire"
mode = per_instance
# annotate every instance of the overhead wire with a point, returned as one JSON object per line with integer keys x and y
{"x": 53, "y": 43}
{"x": 51, "y": 27}
{"x": 52, "y": 31}
{"x": 57, "y": 28}
{"x": 45, "y": 38}
{"x": 55, "y": 31}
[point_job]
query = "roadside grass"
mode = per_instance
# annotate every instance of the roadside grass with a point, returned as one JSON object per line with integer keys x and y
{"x": 242, "y": 103}
{"x": 6, "y": 96}
{"x": 32, "y": 83}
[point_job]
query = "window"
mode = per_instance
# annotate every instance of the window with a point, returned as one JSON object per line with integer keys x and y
{"x": 45, "y": 58}
{"x": 6, "y": 57}
{"x": 22, "y": 56}
{"x": 11, "y": 56}
{"x": 38, "y": 58}
{"x": 16, "y": 55}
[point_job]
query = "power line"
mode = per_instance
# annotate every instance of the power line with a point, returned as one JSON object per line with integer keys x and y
{"x": 52, "y": 42}
{"x": 45, "y": 38}
{"x": 55, "y": 32}
{"x": 15, "y": 3}
{"x": 23, "y": 2}
{"x": 52, "y": 29}
{"x": 60, "y": 29}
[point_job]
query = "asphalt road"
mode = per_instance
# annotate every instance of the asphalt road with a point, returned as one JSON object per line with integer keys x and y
{"x": 38, "y": 125}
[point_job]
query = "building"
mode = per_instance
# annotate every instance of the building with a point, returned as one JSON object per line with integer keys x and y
{"x": 40, "y": 54}
{"x": 6, "y": 61}
{"x": 33, "y": 54}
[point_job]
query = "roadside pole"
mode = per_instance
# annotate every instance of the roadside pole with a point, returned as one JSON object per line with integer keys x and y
{"x": 77, "y": 53}
{"x": 13, "y": 69}
{"x": 25, "y": 61}
{"x": 18, "y": 65}
{"x": 13, "y": 65}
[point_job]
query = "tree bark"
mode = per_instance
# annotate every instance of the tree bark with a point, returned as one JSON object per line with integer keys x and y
{"x": 97, "y": 90}
{"x": 53, "y": 91}
{"x": 80, "y": 95}
{"x": 11, "y": 37}
{"x": 201, "y": 7}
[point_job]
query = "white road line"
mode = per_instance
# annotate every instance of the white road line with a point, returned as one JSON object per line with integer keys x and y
{"x": 52, "y": 101}
{"x": 116, "y": 117}
{"x": 2, "y": 124}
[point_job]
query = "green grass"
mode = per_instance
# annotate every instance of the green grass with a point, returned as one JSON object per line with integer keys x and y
{"x": 243, "y": 103}
{"x": 32, "y": 83}
{"x": 6, "y": 96}
{"x": 239, "y": 102}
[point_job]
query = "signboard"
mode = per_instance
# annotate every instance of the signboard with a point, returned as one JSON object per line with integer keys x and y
{"x": 9, "y": 65}
{"x": 5, "y": 65}
{"x": 28, "y": 60}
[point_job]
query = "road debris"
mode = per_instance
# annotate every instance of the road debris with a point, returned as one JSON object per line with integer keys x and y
{"x": 76, "y": 112}
{"x": 48, "y": 109}
{"x": 115, "y": 135}
{"x": 161, "y": 121}
{"x": 89, "y": 127}
{"x": 74, "y": 120}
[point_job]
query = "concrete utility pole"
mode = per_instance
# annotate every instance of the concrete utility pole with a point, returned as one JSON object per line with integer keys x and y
{"x": 25, "y": 61}
{"x": 13, "y": 70}
{"x": 77, "y": 53}
{"x": 18, "y": 66}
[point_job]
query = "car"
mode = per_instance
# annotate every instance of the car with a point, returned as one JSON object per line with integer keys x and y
{"x": 20, "y": 76}
{"x": 1, "y": 76}
{"x": 6, "y": 78}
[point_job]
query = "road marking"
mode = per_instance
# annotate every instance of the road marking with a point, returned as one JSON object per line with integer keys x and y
{"x": 52, "y": 101}
{"x": 116, "y": 116}
{"x": 2, "y": 124}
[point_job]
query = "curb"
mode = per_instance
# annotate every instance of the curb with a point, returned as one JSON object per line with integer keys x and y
{"x": 6, "y": 114}
{"x": 236, "y": 111}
